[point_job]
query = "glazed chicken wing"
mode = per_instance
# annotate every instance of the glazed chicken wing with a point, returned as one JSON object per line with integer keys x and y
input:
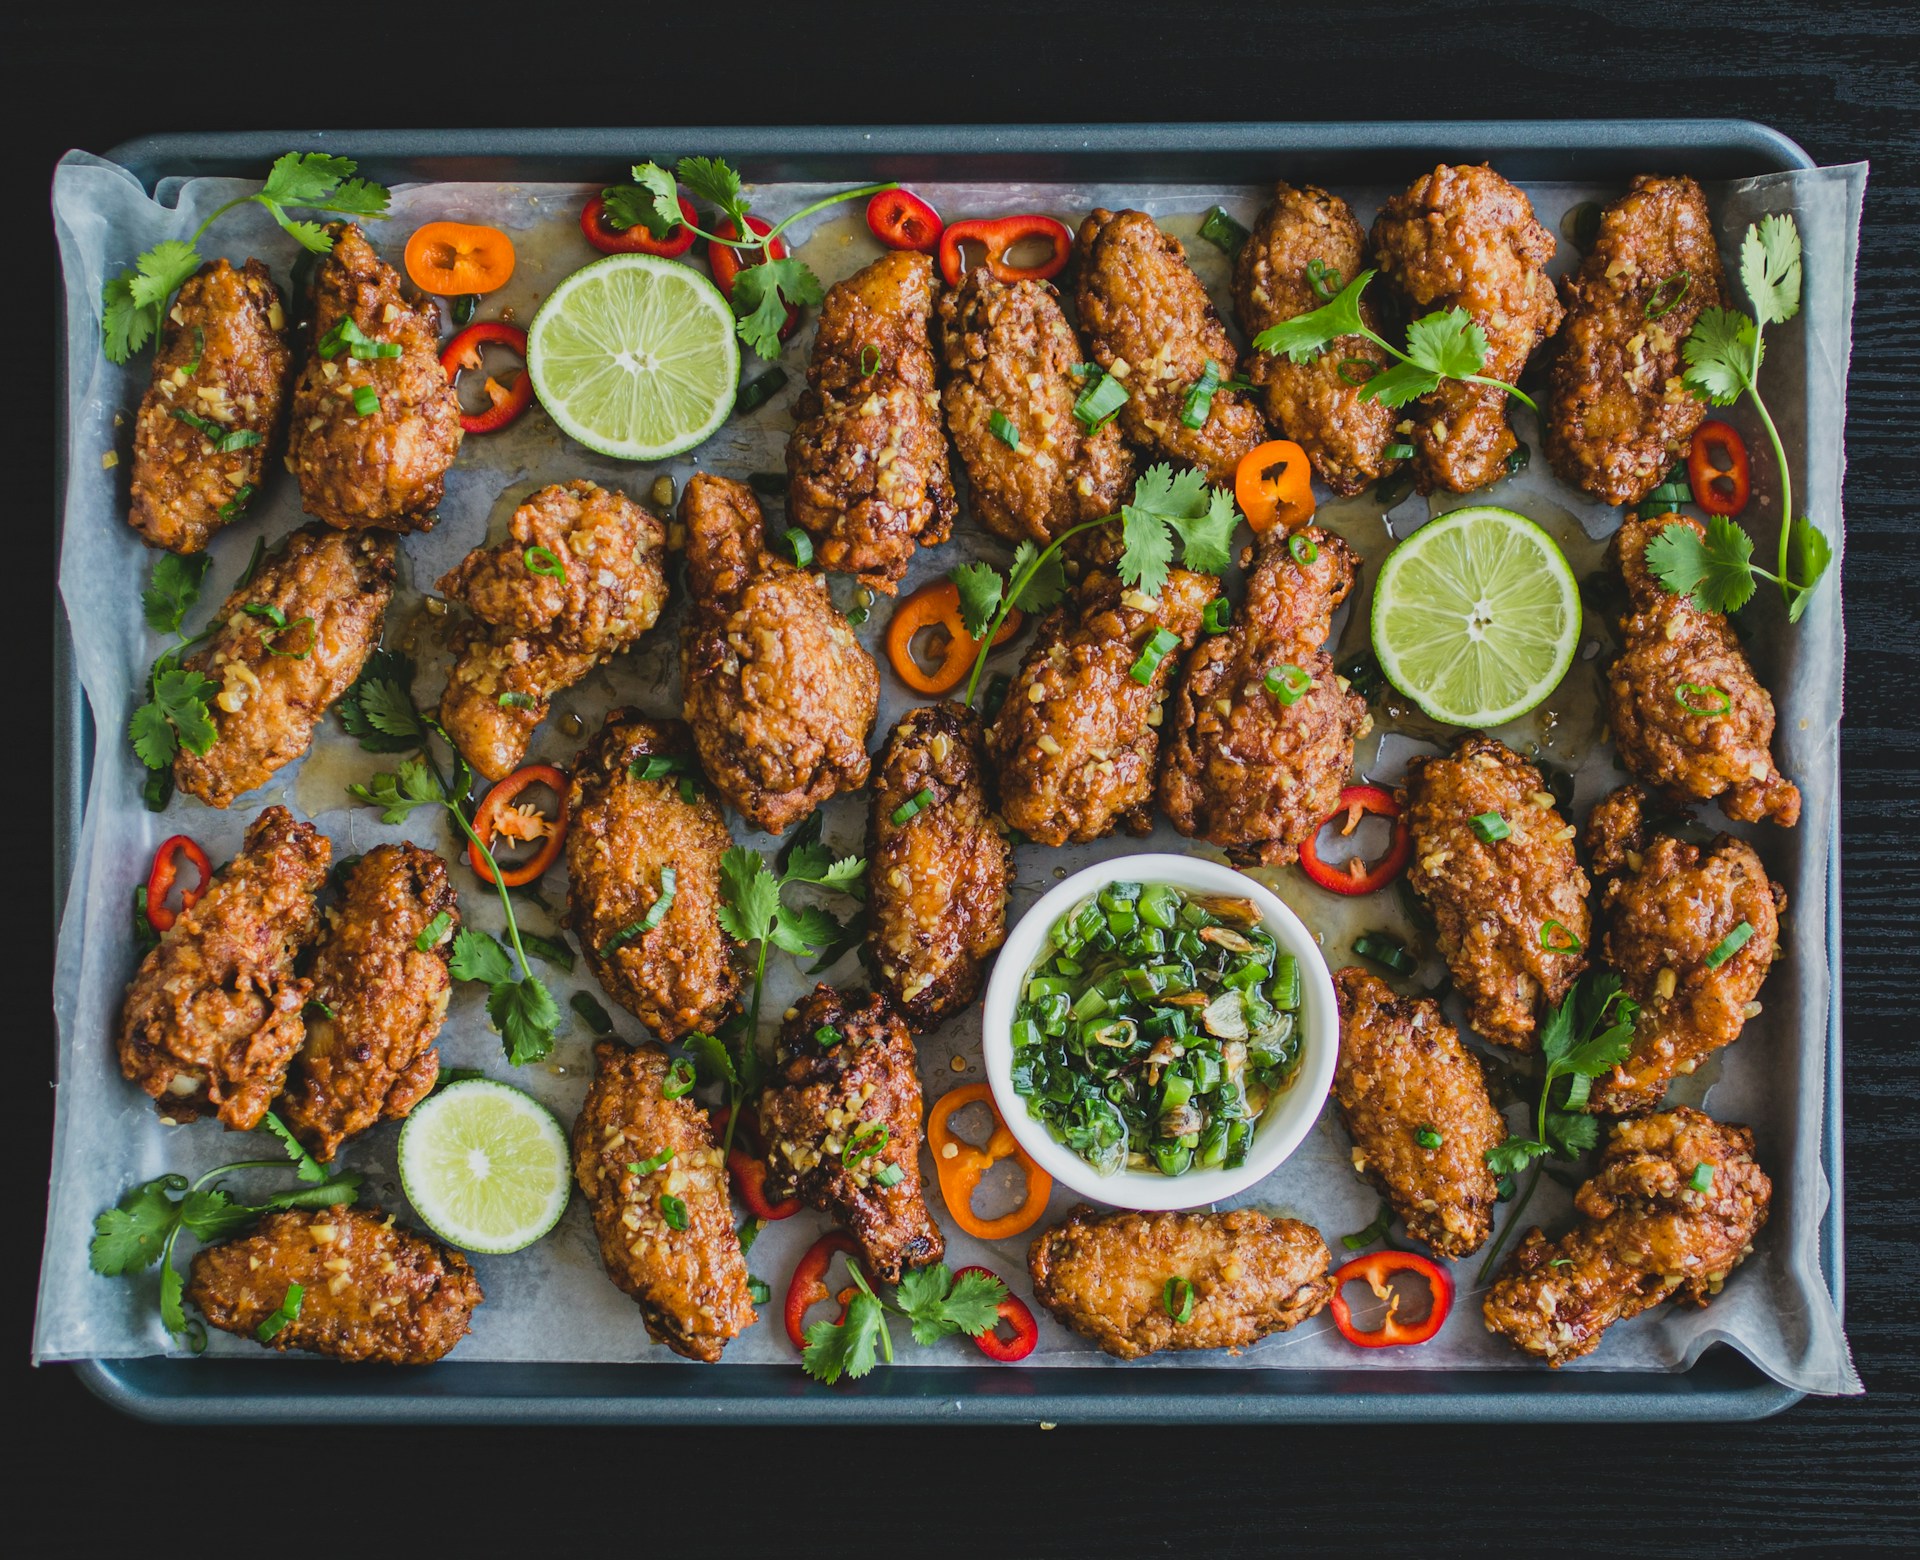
{"x": 1311, "y": 403}
{"x": 690, "y": 1283}
{"x": 220, "y": 378}
{"x": 1246, "y": 770}
{"x": 581, "y": 576}
{"x": 867, "y": 464}
{"x": 1619, "y": 415}
{"x": 636, "y": 838}
{"x": 1402, "y": 1072}
{"x": 841, "y": 1109}
{"x": 1008, "y": 349}
{"x": 369, "y": 1289}
{"x": 1687, "y": 713}
{"x": 779, "y": 693}
{"x": 1463, "y": 237}
{"x": 937, "y": 878}
{"x": 1105, "y": 1275}
{"x": 372, "y": 435}
{"x": 1150, "y": 324}
{"x": 1077, "y": 739}
{"x": 379, "y": 998}
{"x": 287, "y": 644}
{"x": 213, "y": 1016}
{"x": 1670, "y": 911}
{"x": 1511, "y": 913}
{"x": 1652, "y": 1232}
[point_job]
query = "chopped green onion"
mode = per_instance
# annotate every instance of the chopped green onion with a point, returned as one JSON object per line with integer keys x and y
{"x": 1702, "y": 1177}
{"x": 889, "y": 1175}
{"x": 799, "y": 545}
{"x": 1517, "y": 458}
{"x": 1002, "y": 428}
{"x": 1706, "y": 701}
{"x": 1199, "y": 402}
{"x": 1152, "y": 654}
{"x": 267, "y": 610}
{"x": 347, "y": 337}
{"x": 674, "y": 1211}
{"x": 827, "y": 1037}
{"x": 1400, "y": 451}
{"x": 679, "y": 1080}
{"x": 768, "y": 484}
{"x": 1384, "y": 950}
{"x": 1426, "y": 1137}
{"x": 1324, "y": 280}
{"x": 1582, "y": 225}
{"x": 289, "y": 1311}
{"x": 1288, "y": 683}
{"x": 225, "y": 441}
{"x": 1364, "y": 676}
{"x": 865, "y": 1143}
{"x": 287, "y": 628}
{"x": 1491, "y": 827}
{"x": 366, "y": 400}
{"x": 869, "y": 359}
{"x": 689, "y": 790}
{"x": 656, "y": 913}
{"x": 1099, "y": 401}
{"x": 547, "y": 948}
{"x": 1382, "y": 1222}
{"x": 759, "y": 390}
{"x": 464, "y": 308}
{"x": 545, "y": 562}
{"x": 748, "y": 1233}
{"x": 1393, "y": 488}
{"x": 230, "y": 510}
{"x": 433, "y": 932}
{"x": 1218, "y": 616}
{"x": 1303, "y": 547}
{"x": 1177, "y": 1298}
{"x": 314, "y": 1004}
{"x": 652, "y": 1163}
{"x": 511, "y": 700}
{"x": 1358, "y": 370}
{"x": 1729, "y": 945}
{"x": 1557, "y": 938}
{"x": 199, "y": 351}
{"x": 591, "y": 1013}
{"x": 912, "y": 805}
{"x": 757, "y": 1290}
{"x": 1669, "y": 294}
{"x": 1223, "y": 232}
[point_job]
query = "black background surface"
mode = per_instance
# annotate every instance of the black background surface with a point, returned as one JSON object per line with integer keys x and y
{"x": 1844, "y": 80}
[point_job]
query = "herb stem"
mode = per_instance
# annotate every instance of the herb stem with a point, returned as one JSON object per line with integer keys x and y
{"x": 240, "y": 1164}
{"x": 1473, "y": 379}
{"x": 762, "y": 241}
{"x": 1513, "y": 1223}
{"x": 1016, "y": 583}
{"x": 1781, "y": 579}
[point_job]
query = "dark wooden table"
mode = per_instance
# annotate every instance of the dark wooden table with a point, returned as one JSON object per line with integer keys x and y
{"x": 1842, "y": 79}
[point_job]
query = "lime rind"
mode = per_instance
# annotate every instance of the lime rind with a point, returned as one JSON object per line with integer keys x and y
{"x": 1476, "y": 616}
{"x": 486, "y": 1166}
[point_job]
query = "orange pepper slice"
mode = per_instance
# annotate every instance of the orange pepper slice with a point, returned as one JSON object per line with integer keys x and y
{"x": 938, "y": 606}
{"x": 1273, "y": 485}
{"x": 960, "y": 1165}
{"x": 455, "y": 258}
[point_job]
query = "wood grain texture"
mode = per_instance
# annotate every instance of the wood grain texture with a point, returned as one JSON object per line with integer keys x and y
{"x": 1843, "y": 79}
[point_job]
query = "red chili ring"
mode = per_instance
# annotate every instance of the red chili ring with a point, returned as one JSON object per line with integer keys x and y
{"x": 748, "y": 1170}
{"x": 463, "y": 352}
{"x": 1374, "y": 1271}
{"x": 725, "y": 262}
{"x": 900, "y": 219}
{"x": 998, "y": 235}
{"x": 1355, "y": 877}
{"x": 1706, "y": 478}
{"x": 808, "y": 1286}
{"x": 160, "y": 876}
{"x": 638, "y": 239}
{"x": 1015, "y": 1313}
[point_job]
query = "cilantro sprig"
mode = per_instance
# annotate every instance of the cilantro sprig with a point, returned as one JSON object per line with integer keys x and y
{"x": 134, "y": 302}
{"x": 935, "y": 1303}
{"x": 175, "y": 713}
{"x": 1589, "y": 1033}
{"x": 1447, "y": 344}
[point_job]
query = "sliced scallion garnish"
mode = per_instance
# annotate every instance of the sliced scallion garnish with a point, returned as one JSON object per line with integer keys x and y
{"x": 1152, "y": 653}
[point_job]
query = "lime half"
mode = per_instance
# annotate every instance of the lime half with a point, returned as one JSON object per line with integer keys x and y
{"x": 485, "y": 1166}
{"x": 1476, "y": 616}
{"x": 635, "y": 357}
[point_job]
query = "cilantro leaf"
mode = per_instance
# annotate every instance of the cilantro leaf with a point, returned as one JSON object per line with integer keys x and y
{"x": 340, "y": 1190}
{"x": 162, "y": 270}
{"x": 305, "y": 178}
{"x": 1206, "y": 540}
{"x": 355, "y": 198}
{"x": 1448, "y": 343}
{"x": 1713, "y": 569}
{"x": 846, "y": 1348}
{"x": 713, "y": 180}
{"x": 527, "y": 1016}
{"x": 1304, "y": 337}
{"x": 1400, "y": 384}
{"x": 173, "y": 1313}
{"x": 712, "y": 1059}
{"x": 940, "y": 1305}
{"x": 172, "y": 589}
{"x": 749, "y": 895}
{"x": 1571, "y": 1133}
{"x": 151, "y": 733}
{"x": 814, "y": 863}
{"x": 1770, "y": 268}
{"x": 212, "y": 1215}
{"x": 761, "y": 294}
{"x": 1811, "y": 555}
{"x": 1148, "y": 549}
{"x": 1047, "y": 584}
{"x": 182, "y": 698}
{"x": 125, "y": 327}
{"x": 132, "y": 1235}
{"x": 133, "y": 302}
{"x": 477, "y": 956}
{"x": 1162, "y": 504}
{"x": 805, "y": 930}
{"x": 657, "y": 189}
{"x": 1514, "y": 1155}
{"x": 980, "y": 588}
{"x": 852, "y": 933}
{"x": 397, "y": 793}
{"x": 625, "y": 206}
{"x": 1722, "y": 352}
{"x": 379, "y": 708}
{"x": 305, "y": 1165}
{"x": 310, "y": 236}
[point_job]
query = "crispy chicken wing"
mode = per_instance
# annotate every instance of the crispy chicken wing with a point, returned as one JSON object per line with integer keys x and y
{"x": 1668, "y": 909}
{"x": 1512, "y": 913}
{"x": 690, "y": 1284}
{"x": 867, "y": 463}
{"x": 1077, "y": 739}
{"x": 1245, "y": 770}
{"x": 1650, "y": 1235}
{"x": 1311, "y": 403}
{"x": 1463, "y": 237}
{"x": 213, "y": 1015}
{"x": 1105, "y": 1275}
{"x": 222, "y": 370}
{"x": 937, "y": 882}
{"x": 387, "y": 465}
{"x": 1619, "y": 416}
{"x": 1687, "y": 713}
{"x": 369, "y": 1289}
{"x": 779, "y": 693}
{"x": 1008, "y": 349}
{"x": 1403, "y": 1071}
{"x": 581, "y": 576}
{"x": 288, "y": 643}
{"x": 369, "y": 1054}
{"x": 629, "y": 829}
{"x": 838, "y": 1110}
{"x": 1150, "y": 324}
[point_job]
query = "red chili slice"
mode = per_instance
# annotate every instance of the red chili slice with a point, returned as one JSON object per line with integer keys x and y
{"x": 160, "y": 878}
{"x": 902, "y": 220}
{"x": 1355, "y": 876}
{"x": 1375, "y": 1271}
{"x": 1014, "y": 1312}
{"x": 808, "y": 1286}
{"x": 998, "y": 235}
{"x": 727, "y": 263}
{"x": 507, "y": 401}
{"x": 638, "y": 239}
{"x": 747, "y": 1168}
{"x": 492, "y": 812}
{"x": 1718, "y": 489}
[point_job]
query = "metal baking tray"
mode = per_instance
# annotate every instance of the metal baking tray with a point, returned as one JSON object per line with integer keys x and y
{"x": 1722, "y": 1385}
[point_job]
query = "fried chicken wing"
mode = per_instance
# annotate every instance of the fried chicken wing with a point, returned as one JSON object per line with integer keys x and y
{"x": 580, "y": 577}
{"x": 385, "y": 466}
{"x": 369, "y": 1054}
{"x": 1403, "y": 1071}
{"x": 867, "y": 470}
{"x": 221, "y": 372}
{"x": 1150, "y": 324}
{"x": 1668, "y": 909}
{"x": 1649, "y": 1235}
{"x": 1077, "y": 739}
{"x": 1008, "y": 349}
{"x": 1687, "y": 714}
{"x": 937, "y": 882}
{"x": 1105, "y": 1275}
{"x": 779, "y": 693}
{"x": 690, "y": 1284}
{"x": 1344, "y": 436}
{"x": 212, "y": 1018}
{"x": 839, "y": 1110}
{"x": 1619, "y": 416}
{"x": 1463, "y": 237}
{"x": 369, "y": 1289}
{"x": 628, "y": 831}
{"x": 288, "y": 643}
{"x": 1244, "y": 770}
{"x": 1511, "y": 914}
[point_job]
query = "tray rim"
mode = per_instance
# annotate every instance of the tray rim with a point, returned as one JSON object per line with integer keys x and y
{"x": 1721, "y": 1386}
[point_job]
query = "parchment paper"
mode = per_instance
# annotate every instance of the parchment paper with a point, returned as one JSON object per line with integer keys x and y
{"x": 553, "y": 1302}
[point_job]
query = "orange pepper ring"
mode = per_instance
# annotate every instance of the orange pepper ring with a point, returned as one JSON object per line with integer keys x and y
{"x": 960, "y": 1170}
{"x": 1267, "y": 498}
{"x": 938, "y": 606}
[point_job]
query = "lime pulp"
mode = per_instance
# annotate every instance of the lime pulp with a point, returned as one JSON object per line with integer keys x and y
{"x": 485, "y": 1166}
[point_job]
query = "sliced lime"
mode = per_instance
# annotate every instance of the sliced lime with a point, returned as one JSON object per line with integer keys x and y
{"x": 635, "y": 357}
{"x": 485, "y": 1166}
{"x": 1476, "y": 616}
